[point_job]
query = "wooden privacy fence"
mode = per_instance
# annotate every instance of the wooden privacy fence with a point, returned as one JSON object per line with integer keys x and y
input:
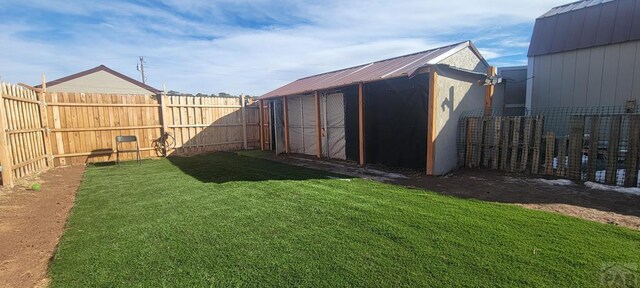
{"x": 22, "y": 133}
{"x": 598, "y": 148}
{"x": 202, "y": 124}
{"x": 40, "y": 130}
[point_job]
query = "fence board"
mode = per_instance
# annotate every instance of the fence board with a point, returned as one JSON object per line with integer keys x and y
{"x": 562, "y": 156}
{"x": 471, "y": 132}
{"x": 537, "y": 138}
{"x": 477, "y": 142}
{"x": 518, "y": 141}
{"x": 594, "y": 138}
{"x": 633, "y": 142}
{"x": 506, "y": 129}
{"x": 497, "y": 129}
{"x": 487, "y": 136}
{"x": 576, "y": 135}
{"x": 85, "y": 125}
{"x": 5, "y": 148}
{"x": 515, "y": 144}
{"x": 612, "y": 151}
{"x": 549, "y": 153}
{"x": 526, "y": 143}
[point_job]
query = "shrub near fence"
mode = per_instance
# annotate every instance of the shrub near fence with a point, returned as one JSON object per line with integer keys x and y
{"x": 599, "y": 148}
{"x": 40, "y": 130}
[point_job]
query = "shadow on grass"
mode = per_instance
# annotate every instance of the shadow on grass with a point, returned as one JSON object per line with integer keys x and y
{"x": 103, "y": 164}
{"x": 221, "y": 167}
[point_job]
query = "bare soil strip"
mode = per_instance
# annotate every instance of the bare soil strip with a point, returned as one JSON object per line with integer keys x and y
{"x": 32, "y": 222}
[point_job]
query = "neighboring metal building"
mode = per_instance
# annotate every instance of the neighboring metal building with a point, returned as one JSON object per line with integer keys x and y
{"x": 585, "y": 54}
{"x": 100, "y": 79}
{"x": 510, "y": 95}
{"x": 400, "y": 112}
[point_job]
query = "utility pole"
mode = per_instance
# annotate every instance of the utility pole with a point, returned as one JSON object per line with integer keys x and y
{"x": 141, "y": 69}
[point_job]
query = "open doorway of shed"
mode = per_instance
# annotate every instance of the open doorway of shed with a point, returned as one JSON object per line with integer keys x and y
{"x": 395, "y": 122}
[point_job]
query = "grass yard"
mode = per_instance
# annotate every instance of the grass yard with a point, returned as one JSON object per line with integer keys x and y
{"x": 228, "y": 220}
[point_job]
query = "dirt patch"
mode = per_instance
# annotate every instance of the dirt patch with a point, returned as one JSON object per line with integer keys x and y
{"x": 560, "y": 196}
{"x": 31, "y": 223}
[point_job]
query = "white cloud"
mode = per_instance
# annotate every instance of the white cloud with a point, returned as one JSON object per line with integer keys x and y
{"x": 196, "y": 46}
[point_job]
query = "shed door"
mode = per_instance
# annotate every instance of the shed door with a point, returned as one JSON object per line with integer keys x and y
{"x": 333, "y": 137}
{"x": 302, "y": 124}
{"x": 278, "y": 115}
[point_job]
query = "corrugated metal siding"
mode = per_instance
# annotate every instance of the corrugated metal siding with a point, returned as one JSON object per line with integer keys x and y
{"x": 585, "y": 24}
{"x": 598, "y": 76}
{"x": 385, "y": 69}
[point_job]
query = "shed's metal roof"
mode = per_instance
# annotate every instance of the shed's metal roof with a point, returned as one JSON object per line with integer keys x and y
{"x": 406, "y": 65}
{"x": 585, "y": 24}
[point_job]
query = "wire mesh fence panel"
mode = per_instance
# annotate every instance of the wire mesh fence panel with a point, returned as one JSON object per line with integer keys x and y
{"x": 598, "y": 144}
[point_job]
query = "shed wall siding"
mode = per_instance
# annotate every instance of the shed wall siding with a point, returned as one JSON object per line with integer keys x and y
{"x": 454, "y": 96}
{"x": 99, "y": 82}
{"x": 597, "y": 76}
{"x": 465, "y": 59}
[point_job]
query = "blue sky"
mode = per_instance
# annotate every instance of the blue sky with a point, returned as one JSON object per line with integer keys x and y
{"x": 248, "y": 47}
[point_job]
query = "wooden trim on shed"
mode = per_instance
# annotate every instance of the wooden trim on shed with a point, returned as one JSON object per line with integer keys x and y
{"x": 285, "y": 107}
{"x": 488, "y": 92}
{"x": 431, "y": 121}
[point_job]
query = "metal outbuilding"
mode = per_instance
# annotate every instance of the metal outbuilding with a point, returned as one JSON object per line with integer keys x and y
{"x": 399, "y": 112}
{"x": 585, "y": 54}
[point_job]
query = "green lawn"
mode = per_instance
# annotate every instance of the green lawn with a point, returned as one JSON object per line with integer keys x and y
{"x": 228, "y": 220}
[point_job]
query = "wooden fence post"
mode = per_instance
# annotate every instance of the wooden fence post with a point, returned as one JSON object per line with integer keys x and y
{"x": 515, "y": 144}
{"x": 612, "y": 151}
{"x": 548, "y": 162}
{"x": 44, "y": 123}
{"x": 162, "y": 98}
{"x": 479, "y": 148}
{"x": 631, "y": 175}
{"x": 244, "y": 121}
{"x": 488, "y": 92}
{"x": 576, "y": 135}
{"x": 57, "y": 125}
{"x": 506, "y": 132}
{"x": 562, "y": 153}
{"x": 487, "y": 141}
{"x": 497, "y": 129}
{"x": 526, "y": 142}
{"x": 471, "y": 132}
{"x": 5, "y": 153}
{"x": 537, "y": 145}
